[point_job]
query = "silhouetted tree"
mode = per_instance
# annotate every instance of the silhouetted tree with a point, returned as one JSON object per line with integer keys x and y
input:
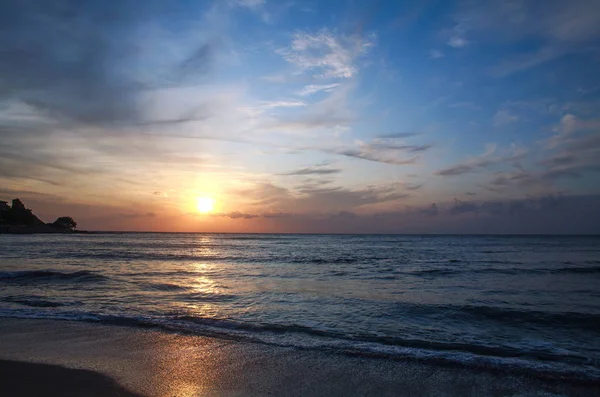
{"x": 65, "y": 222}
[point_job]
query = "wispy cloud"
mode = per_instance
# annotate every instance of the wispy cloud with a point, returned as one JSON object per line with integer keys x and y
{"x": 237, "y": 215}
{"x": 436, "y": 54}
{"x": 315, "y": 170}
{"x": 461, "y": 207}
{"x": 478, "y": 163}
{"x": 575, "y": 149}
{"x": 526, "y": 61}
{"x": 315, "y": 88}
{"x": 559, "y": 26}
{"x": 398, "y": 135}
{"x": 408, "y": 148}
{"x": 250, "y": 3}
{"x": 326, "y": 54}
{"x": 386, "y": 148}
{"x": 504, "y": 117}
{"x": 465, "y": 105}
{"x": 457, "y": 42}
{"x": 367, "y": 153}
{"x": 281, "y": 104}
{"x": 331, "y": 112}
{"x": 319, "y": 198}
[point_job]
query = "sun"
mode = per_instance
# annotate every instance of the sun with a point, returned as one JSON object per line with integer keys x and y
{"x": 205, "y": 204}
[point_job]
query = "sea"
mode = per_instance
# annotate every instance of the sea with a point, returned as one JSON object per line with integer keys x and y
{"x": 529, "y": 304}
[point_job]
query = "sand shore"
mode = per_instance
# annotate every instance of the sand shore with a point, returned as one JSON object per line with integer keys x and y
{"x": 98, "y": 360}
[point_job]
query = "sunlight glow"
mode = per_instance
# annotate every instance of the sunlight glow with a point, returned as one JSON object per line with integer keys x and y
{"x": 205, "y": 204}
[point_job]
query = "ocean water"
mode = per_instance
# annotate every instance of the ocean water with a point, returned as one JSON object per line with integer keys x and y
{"x": 530, "y": 304}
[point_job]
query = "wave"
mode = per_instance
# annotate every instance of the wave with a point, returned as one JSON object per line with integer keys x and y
{"x": 50, "y": 275}
{"x": 207, "y": 297}
{"x": 472, "y": 314}
{"x": 33, "y": 301}
{"x": 340, "y": 260}
{"x": 578, "y": 270}
{"x": 506, "y": 270}
{"x": 551, "y": 365}
{"x": 581, "y": 321}
{"x": 260, "y": 237}
{"x": 162, "y": 287}
{"x": 244, "y": 257}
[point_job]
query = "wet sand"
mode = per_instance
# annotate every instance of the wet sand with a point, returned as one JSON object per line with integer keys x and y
{"x": 98, "y": 360}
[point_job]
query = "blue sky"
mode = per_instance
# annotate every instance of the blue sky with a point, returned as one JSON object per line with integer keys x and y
{"x": 343, "y": 116}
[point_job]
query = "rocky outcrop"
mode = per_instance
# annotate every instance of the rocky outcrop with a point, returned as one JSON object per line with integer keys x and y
{"x": 18, "y": 219}
{"x": 19, "y": 215}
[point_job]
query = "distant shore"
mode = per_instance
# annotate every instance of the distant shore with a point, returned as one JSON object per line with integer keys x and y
{"x": 18, "y": 219}
{"x": 132, "y": 362}
{"x": 4, "y": 229}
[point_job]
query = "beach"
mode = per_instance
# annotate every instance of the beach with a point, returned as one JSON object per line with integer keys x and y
{"x": 101, "y": 360}
{"x": 298, "y": 315}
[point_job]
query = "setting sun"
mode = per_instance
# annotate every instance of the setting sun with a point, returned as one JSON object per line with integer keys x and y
{"x": 205, "y": 204}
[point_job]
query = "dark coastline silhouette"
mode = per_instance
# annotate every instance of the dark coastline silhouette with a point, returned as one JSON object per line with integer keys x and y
{"x": 17, "y": 219}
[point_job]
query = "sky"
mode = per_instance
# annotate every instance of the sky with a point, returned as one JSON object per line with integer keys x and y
{"x": 420, "y": 116}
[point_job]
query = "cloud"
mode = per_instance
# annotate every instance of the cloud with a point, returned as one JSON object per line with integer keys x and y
{"x": 384, "y": 149}
{"x": 315, "y": 88}
{"x": 432, "y": 210}
{"x": 462, "y": 207}
{"x": 508, "y": 21}
{"x": 436, "y": 54}
{"x": 245, "y": 215}
{"x": 515, "y": 207}
{"x": 408, "y": 148}
{"x": 477, "y": 163}
{"x": 504, "y": 117}
{"x": 79, "y": 81}
{"x": 526, "y": 61}
{"x": 239, "y": 215}
{"x": 131, "y": 215}
{"x": 545, "y": 214}
{"x": 575, "y": 149}
{"x": 457, "y": 42}
{"x": 398, "y": 135}
{"x": 266, "y": 197}
{"x": 459, "y": 169}
{"x": 338, "y": 198}
{"x": 368, "y": 153}
{"x": 330, "y": 112}
{"x": 281, "y": 104}
{"x": 568, "y": 124}
{"x": 326, "y": 54}
{"x": 493, "y": 207}
{"x": 465, "y": 105}
{"x": 82, "y": 66}
{"x": 250, "y": 3}
{"x": 470, "y": 165}
{"x": 313, "y": 171}
{"x": 413, "y": 187}
{"x": 570, "y": 154}
{"x": 560, "y": 27}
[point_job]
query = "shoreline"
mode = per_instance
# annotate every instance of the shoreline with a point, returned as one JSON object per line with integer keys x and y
{"x": 151, "y": 362}
{"x": 418, "y": 356}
